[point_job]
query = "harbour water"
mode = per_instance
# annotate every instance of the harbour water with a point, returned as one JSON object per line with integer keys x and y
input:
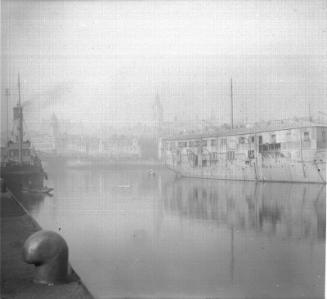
{"x": 132, "y": 233}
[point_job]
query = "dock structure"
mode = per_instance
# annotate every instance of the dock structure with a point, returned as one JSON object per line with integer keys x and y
{"x": 16, "y": 275}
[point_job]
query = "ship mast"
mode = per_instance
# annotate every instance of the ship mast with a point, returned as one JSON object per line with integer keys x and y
{"x": 231, "y": 103}
{"x": 7, "y": 117}
{"x": 310, "y": 118}
{"x": 20, "y": 124}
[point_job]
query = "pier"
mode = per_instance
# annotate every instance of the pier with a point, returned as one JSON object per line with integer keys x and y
{"x": 17, "y": 276}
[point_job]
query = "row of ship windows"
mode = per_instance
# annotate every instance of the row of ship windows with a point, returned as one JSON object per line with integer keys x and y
{"x": 223, "y": 141}
{"x": 230, "y": 156}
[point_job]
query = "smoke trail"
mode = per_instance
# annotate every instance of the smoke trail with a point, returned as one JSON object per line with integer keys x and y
{"x": 51, "y": 97}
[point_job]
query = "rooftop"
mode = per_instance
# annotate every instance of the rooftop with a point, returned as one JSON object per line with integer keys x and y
{"x": 250, "y": 129}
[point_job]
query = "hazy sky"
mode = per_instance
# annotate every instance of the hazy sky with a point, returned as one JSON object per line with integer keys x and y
{"x": 106, "y": 60}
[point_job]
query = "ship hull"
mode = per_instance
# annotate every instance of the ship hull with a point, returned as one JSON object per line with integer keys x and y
{"x": 303, "y": 172}
{"x": 286, "y": 154}
{"x": 18, "y": 177}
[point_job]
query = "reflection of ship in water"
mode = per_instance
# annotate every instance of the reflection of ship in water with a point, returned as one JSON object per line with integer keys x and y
{"x": 290, "y": 210}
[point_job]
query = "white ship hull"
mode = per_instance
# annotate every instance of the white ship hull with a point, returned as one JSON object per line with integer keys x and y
{"x": 275, "y": 172}
{"x": 289, "y": 154}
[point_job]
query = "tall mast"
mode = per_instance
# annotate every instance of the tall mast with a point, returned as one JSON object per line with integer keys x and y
{"x": 7, "y": 117}
{"x": 19, "y": 100}
{"x": 20, "y": 124}
{"x": 231, "y": 103}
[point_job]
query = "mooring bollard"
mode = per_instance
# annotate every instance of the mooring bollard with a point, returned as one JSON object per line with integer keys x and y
{"x": 48, "y": 251}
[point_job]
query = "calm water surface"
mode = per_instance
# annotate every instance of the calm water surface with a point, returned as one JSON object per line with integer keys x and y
{"x": 135, "y": 235}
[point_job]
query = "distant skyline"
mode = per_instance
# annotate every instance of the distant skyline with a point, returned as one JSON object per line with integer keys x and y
{"x": 106, "y": 60}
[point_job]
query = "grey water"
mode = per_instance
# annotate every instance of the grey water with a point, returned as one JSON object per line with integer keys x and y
{"x": 134, "y": 234}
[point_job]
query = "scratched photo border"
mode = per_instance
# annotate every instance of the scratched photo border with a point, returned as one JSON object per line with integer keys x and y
{"x": 200, "y": 64}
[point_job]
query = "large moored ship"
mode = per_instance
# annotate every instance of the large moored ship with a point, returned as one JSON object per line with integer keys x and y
{"x": 20, "y": 165}
{"x": 284, "y": 153}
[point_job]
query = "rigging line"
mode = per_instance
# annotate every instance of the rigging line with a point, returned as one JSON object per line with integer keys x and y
{"x": 301, "y": 151}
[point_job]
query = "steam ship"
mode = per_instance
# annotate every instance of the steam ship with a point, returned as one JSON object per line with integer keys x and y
{"x": 21, "y": 168}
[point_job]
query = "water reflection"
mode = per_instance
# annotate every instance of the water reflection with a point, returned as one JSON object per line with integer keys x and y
{"x": 135, "y": 235}
{"x": 292, "y": 210}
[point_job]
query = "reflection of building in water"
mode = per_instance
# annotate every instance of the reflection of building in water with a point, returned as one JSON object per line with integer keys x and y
{"x": 284, "y": 209}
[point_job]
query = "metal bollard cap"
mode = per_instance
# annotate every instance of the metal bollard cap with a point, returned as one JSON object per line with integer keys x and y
{"x": 48, "y": 251}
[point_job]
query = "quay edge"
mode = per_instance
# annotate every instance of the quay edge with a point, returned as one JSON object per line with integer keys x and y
{"x": 17, "y": 276}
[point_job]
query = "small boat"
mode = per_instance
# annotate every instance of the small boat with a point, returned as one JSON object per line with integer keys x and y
{"x": 151, "y": 172}
{"x": 44, "y": 190}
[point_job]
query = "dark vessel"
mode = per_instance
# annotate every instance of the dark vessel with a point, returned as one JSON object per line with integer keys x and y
{"x": 20, "y": 165}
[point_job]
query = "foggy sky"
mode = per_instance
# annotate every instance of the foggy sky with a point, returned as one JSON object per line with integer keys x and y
{"x": 105, "y": 61}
